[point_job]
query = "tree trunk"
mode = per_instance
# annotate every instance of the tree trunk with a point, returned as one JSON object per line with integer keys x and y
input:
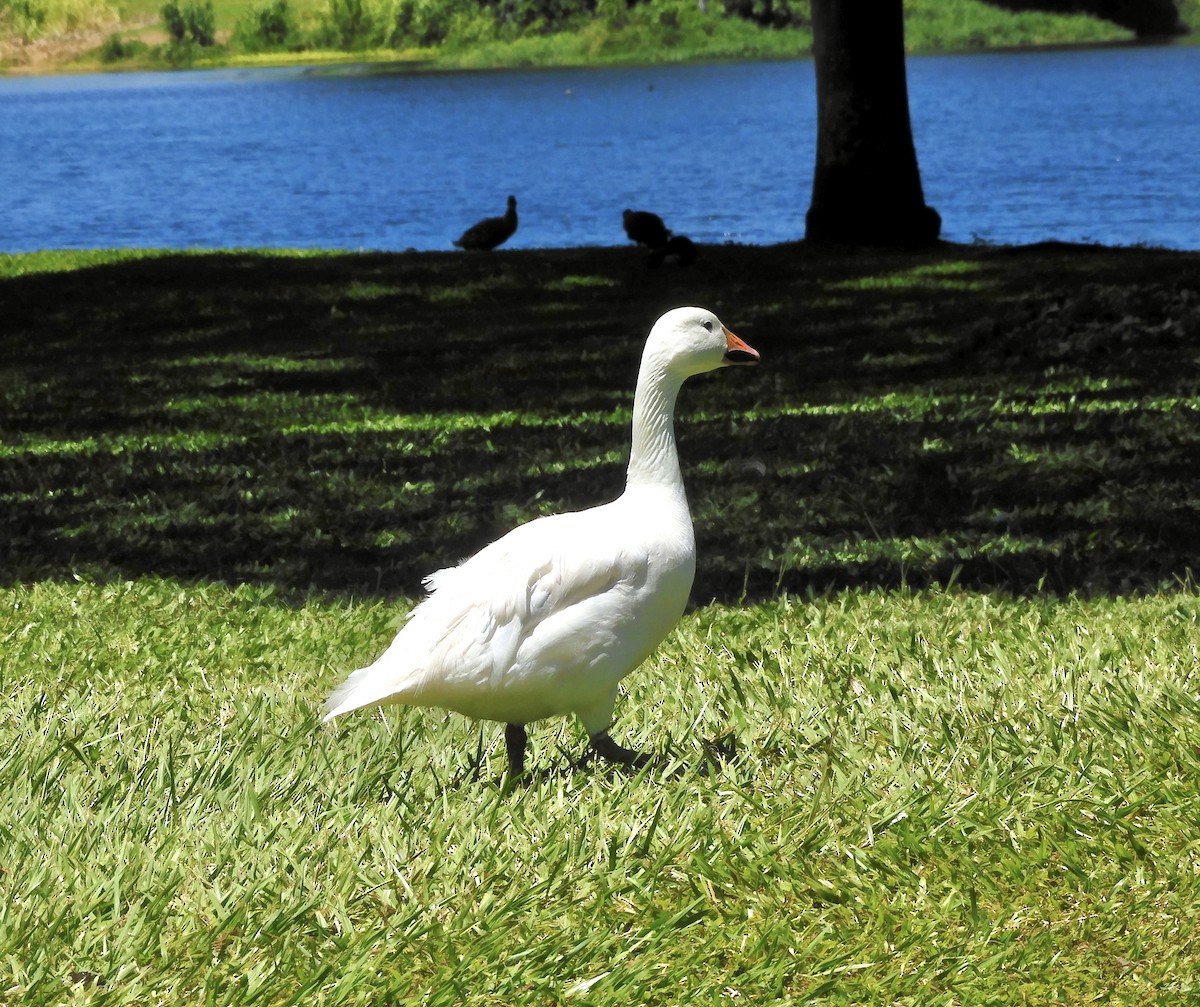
{"x": 866, "y": 186}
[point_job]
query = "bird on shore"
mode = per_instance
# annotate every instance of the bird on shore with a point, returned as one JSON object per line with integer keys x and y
{"x": 491, "y": 231}
{"x": 548, "y": 619}
{"x": 645, "y": 228}
{"x": 678, "y": 248}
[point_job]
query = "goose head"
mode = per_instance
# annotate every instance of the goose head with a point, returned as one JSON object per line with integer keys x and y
{"x": 687, "y": 341}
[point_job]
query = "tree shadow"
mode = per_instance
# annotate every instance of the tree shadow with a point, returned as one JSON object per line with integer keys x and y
{"x": 1013, "y": 419}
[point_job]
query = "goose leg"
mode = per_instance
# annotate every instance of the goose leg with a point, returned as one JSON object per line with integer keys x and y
{"x": 515, "y": 738}
{"x": 606, "y": 748}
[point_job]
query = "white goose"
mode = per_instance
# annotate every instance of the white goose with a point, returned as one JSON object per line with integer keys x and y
{"x": 547, "y": 620}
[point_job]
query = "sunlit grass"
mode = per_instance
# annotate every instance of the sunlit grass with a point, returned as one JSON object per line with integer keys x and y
{"x": 13, "y": 264}
{"x": 668, "y": 33}
{"x": 930, "y": 797}
{"x": 944, "y": 275}
{"x": 657, "y": 32}
{"x": 938, "y": 25}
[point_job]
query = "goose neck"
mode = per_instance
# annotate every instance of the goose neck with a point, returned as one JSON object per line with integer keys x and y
{"x": 653, "y": 459}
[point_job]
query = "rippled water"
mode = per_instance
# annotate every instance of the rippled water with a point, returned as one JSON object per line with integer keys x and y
{"x": 1096, "y": 145}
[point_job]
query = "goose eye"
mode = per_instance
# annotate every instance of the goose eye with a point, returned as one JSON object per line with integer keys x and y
{"x": 707, "y": 324}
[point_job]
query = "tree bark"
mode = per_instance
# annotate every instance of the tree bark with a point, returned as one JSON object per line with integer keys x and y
{"x": 866, "y": 184}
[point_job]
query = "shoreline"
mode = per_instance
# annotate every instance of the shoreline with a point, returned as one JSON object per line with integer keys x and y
{"x": 40, "y": 260}
{"x": 48, "y": 260}
{"x": 76, "y": 54}
{"x": 395, "y": 61}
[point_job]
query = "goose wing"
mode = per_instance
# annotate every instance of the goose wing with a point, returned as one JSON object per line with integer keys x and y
{"x": 533, "y": 625}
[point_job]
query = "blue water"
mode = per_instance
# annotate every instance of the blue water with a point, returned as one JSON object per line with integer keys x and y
{"x": 1096, "y": 145}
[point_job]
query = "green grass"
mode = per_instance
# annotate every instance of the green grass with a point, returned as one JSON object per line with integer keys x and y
{"x": 675, "y": 34}
{"x": 925, "y": 798}
{"x": 1006, "y": 420}
{"x": 658, "y": 31}
{"x": 32, "y": 19}
{"x": 943, "y": 669}
{"x": 955, "y": 25}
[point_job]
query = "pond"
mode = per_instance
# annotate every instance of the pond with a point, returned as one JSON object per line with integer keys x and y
{"x": 1083, "y": 145}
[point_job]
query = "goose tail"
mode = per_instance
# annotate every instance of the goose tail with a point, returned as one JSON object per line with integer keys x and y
{"x": 402, "y": 671}
{"x": 352, "y": 694}
{"x": 373, "y": 685}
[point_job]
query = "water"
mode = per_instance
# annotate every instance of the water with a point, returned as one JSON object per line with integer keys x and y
{"x": 1093, "y": 145}
{"x": 1097, "y": 145}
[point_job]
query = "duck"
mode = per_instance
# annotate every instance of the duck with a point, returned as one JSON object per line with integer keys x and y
{"x": 679, "y": 248}
{"x": 490, "y": 232}
{"x": 645, "y": 228}
{"x": 547, "y": 620}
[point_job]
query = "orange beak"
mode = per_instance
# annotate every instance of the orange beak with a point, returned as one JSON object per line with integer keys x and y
{"x": 738, "y": 352}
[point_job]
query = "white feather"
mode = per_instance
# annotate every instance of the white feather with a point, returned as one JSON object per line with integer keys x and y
{"x": 549, "y": 618}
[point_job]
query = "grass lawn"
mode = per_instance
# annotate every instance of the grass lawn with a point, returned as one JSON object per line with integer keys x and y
{"x": 930, "y": 735}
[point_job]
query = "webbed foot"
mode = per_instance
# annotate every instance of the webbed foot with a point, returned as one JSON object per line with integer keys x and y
{"x": 606, "y": 748}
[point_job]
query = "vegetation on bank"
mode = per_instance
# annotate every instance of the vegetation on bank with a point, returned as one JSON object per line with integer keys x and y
{"x": 448, "y": 33}
{"x": 942, "y": 673}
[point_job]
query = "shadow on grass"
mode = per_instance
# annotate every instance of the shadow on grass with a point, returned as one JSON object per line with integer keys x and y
{"x": 1019, "y": 419}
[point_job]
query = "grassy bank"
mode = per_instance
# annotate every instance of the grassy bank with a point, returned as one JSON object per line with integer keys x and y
{"x": 65, "y": 34}
{"x": 943, "y": 667}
